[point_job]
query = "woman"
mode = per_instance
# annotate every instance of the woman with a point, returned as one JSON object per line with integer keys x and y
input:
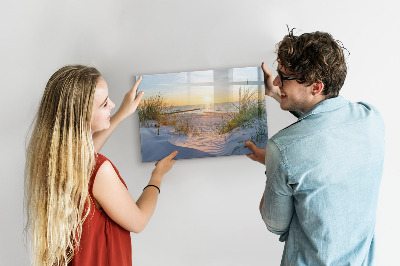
{"x": 78, "y": 207}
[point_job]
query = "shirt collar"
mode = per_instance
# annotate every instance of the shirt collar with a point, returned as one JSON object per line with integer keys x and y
{"x": 325, "y": 106}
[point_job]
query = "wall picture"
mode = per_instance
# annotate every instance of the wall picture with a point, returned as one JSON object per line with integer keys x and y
{"x": 202, "y": 113}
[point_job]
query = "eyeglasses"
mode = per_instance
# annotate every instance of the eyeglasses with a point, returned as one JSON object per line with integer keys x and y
{"x": 282, "y": 78}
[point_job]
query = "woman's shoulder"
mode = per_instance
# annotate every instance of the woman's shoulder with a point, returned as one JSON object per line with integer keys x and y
{"x": 100, "y": 158}
{"x": 99, "y": 161}
{"x": 106, "y": 167}
{"x": 102, "y": 164}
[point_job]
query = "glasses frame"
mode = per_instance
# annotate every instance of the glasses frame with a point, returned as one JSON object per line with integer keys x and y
{"x": 282, "y": 78}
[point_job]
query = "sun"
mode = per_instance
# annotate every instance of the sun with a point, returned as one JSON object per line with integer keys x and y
{"x": 207, "y": 99}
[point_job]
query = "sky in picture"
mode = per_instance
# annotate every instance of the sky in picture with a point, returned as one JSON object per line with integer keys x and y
{"x": 201, "y": 87}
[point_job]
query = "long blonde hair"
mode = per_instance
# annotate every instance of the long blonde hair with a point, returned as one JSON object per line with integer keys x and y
{"x": 59, "y": 161}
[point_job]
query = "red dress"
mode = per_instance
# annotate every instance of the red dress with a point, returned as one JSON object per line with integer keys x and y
{"x": 103, "y": 241}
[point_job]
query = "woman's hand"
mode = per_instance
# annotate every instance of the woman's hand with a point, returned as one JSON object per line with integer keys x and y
{"x": 131, "y": 101}
{"x": 270, "y": 89}
{"x": 128, "y": 107}
{"x": 119, "y": 205}
{"x": 163, "y": 166}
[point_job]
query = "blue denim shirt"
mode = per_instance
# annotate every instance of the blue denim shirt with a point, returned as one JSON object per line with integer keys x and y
{"x": 323, "y": 176}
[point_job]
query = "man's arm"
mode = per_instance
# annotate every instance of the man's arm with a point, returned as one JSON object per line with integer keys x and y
{"x": 276, "y": 205}
{"x": 270, "y": 89}
{"x": 128, "y": 107}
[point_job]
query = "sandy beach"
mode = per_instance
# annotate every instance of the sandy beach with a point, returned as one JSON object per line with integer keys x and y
{"x": 157, "y": 142}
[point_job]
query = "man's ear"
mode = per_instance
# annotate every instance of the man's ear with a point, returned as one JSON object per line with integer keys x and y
{"x": 317, "y": 88}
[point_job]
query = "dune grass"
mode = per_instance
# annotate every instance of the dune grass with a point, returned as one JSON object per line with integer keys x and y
{"x": 151, "y": 109}
{"x": 152, "y": 114}
{"x": 249, "y": 109}
{"x": 259, "y": 134}
{"x": 184, "y": 125}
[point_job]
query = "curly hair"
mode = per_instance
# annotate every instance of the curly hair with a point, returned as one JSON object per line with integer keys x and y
{"x": 314, "y": 57}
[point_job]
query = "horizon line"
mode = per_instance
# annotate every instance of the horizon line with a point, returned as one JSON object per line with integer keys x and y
{"x": 212, "y": 103}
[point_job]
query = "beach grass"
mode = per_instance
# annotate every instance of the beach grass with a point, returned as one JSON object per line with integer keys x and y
{"x": 185, "y": 125}
{"x": 152, "y": 114}
{"x": 249, "y": 109}
{"x": 182, "y": 124}
{"x": 151, "y": 109}
{"x": 259, "y": 134}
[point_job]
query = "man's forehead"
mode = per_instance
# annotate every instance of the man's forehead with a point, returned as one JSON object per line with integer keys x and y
{"x": 282, "y": 69}
{"x": 279, "y": 66}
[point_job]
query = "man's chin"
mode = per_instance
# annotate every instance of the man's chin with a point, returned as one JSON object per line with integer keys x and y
{"x": 284, "y": 107}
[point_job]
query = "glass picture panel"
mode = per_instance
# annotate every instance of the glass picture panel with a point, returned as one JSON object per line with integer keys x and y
{"x": 202, "y": 113}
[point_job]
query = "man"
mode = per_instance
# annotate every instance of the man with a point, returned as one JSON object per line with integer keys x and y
{"x": 323, "y": 171}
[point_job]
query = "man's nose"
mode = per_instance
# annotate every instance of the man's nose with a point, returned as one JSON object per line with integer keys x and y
{"x": 277, "y": 81}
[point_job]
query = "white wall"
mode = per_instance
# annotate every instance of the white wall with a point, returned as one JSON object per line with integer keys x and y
{"x": 208, "y": 208}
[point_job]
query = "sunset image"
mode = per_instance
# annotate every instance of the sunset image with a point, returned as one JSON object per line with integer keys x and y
{"x": 202, "y": 113}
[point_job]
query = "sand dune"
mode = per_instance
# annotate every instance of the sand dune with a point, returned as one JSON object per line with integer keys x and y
{"x": 159, "y": 142}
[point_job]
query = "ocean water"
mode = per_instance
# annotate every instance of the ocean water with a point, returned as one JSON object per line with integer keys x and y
{"x": 227, "y": 107}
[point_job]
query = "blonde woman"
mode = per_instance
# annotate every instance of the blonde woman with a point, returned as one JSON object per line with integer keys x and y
{"x": 79, "y": 211}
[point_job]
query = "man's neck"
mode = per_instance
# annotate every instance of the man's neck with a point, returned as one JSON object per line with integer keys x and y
{"x": 316, "y": 100}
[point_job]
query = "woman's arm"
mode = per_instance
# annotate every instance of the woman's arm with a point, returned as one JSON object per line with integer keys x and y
{"x": 128, "y": 107}
{"x": 116, "y": 201}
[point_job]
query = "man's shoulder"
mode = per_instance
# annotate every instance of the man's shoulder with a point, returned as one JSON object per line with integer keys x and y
{"x": 325, "y": 121}
{"x": 289, "y": 135}
{"x": 366, "y": 108}
{"x": 365, "y": 113}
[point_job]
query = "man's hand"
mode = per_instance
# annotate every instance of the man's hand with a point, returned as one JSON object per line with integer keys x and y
{"x": 270, "y": 89}
{"x": 259, "y": 154}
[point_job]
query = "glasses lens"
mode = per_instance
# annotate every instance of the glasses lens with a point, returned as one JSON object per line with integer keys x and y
{"x": 280, "y": 78}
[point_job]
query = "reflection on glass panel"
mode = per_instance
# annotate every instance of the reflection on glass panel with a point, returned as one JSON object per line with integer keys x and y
{"x": 202, "y": 113}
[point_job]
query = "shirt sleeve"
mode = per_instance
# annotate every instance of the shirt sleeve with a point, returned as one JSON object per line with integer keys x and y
{"x": 277, "y": 209}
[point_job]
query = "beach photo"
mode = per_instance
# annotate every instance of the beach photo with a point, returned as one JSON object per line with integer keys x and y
{"x": 202, "y": 113}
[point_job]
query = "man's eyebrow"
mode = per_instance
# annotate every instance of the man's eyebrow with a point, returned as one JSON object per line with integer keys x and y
{"x": 283, "y": 74}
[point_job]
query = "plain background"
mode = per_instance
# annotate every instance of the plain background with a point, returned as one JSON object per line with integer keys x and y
{"x": 208, "y": 208}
